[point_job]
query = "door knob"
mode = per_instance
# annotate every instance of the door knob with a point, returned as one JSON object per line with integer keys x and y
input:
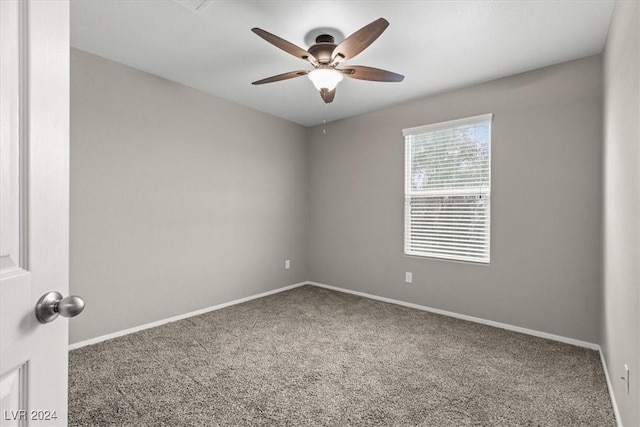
{"x": 51, "y": 304}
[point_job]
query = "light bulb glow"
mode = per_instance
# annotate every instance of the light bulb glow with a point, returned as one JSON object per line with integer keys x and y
{"x": 325, "y": 78}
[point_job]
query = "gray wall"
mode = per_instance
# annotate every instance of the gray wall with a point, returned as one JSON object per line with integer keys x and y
{"x": 621, "y": 273}
{"x": 179, "y": 200}
{"x": 545, "y": 212}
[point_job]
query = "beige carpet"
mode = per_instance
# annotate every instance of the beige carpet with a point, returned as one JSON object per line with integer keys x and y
{"x": 311, "y": 356}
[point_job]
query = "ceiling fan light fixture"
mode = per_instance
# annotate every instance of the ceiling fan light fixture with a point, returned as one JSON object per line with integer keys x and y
{"x": 325, "y": 78}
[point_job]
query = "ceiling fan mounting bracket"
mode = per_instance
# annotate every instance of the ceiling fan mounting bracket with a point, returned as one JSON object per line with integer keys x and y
{"x": 311, "y": 37}
{"x": 325, "y": 38}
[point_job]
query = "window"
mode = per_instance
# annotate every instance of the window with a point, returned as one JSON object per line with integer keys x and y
{"x": 448, "y": 189}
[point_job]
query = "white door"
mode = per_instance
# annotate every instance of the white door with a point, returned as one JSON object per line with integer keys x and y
{"x": 34, "y": 208}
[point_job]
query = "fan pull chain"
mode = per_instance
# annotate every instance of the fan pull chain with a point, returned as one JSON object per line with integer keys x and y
{"x": 324, "y": 118}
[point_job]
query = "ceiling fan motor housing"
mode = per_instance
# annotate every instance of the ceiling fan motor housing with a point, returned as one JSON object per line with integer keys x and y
{"x": 322, "y": 50}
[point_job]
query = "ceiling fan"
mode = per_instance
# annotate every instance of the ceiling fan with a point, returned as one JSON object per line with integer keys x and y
{"x": 325, "y": 56}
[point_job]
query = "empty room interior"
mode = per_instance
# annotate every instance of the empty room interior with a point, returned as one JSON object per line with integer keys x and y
{"x": 431, "y": 218}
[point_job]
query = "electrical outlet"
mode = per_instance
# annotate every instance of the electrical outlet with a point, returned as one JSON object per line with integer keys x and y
{"x": 408, "y": 277}
{"x": 287, "y": 264}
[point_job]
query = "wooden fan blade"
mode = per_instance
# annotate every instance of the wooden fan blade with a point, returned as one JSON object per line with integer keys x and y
{"x": 359, "y": 41}
{"x": 327, "y": 95}
{"x": 373, "y": 74}
{"x": 285, "y": 45}
{"x": 283, "y": 76}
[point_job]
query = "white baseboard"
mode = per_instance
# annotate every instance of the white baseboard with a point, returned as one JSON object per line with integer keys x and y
{"x": 335, "y": 288}
{"x": 180, "y": 317}
{"x": 616, "y": 412}
{"x": 535, "y": 333}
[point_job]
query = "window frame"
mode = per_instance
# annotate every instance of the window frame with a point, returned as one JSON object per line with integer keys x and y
{"x": 452, "y": 191}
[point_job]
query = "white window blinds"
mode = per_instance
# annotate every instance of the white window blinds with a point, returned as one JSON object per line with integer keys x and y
{"x": 448, "y": 189}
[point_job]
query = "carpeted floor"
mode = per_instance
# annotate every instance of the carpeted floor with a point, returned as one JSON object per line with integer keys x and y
{"x": 311, "y": 356}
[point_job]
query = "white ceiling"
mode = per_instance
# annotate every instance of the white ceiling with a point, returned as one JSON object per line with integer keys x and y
{"x": 437, "y": 45}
